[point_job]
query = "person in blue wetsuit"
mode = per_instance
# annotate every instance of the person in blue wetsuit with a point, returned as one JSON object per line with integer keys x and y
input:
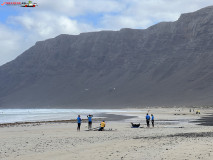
{"x": 152, "y": 118}
{"x": 147, "y": 119}
{"x": 79, "y": 123}
{"x": 89, "y": 121}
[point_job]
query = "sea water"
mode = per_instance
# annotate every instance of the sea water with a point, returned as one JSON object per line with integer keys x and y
{"x": 35, "y": 115}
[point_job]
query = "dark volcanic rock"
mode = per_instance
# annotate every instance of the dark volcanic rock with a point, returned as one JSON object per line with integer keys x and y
{"x": 169, "y": 63}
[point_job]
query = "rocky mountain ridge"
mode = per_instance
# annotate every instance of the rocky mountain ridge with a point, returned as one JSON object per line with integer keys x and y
{"x": 169, "y": 63}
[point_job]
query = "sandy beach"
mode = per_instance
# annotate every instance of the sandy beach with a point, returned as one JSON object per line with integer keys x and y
{"x": 174, "y": 136}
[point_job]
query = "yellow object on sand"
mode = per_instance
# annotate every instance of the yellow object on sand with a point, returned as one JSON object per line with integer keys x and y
{"x": 102, "y": 124}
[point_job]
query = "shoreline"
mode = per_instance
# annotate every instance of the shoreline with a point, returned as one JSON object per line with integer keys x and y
{"x": 21, "y": 116}
{"x": 203, "y": 120}
{"x": 104, "y": 116}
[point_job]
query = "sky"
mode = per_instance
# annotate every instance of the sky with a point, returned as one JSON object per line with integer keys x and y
{"x": 22, "y": 27}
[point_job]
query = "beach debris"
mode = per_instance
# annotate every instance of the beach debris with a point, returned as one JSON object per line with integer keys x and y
{"x": 97, "y": 128}
{"x": 186, "y": 135}
{"x": 173, "y": 127}
{"x": 193, "y": 134}
{"x": 135, "y": 125}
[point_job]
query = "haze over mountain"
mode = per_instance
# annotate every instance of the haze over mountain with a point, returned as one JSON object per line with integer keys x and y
{"x": 170, "y": 63}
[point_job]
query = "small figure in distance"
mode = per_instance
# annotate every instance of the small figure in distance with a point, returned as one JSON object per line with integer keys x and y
{"x": 198, "y": 112}
{"x": 89, "y": 121}
{"x": 152, "y": 120}
{"x": 102, "y": 126}
{"x": 79, "y": 123}
{"x": 147, "y": 119}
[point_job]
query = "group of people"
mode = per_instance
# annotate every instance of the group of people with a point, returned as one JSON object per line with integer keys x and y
{"x": 102, "y": 125}
{"x": 148, "y": 118}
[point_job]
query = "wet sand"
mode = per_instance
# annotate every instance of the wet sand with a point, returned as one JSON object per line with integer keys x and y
{"x": 115, "y": 117}
{"x": 206, "y": 120}
{"x": 173, "y": 137}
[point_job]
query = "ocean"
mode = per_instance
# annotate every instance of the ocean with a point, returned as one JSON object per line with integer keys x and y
{"x": 36, "y": 115}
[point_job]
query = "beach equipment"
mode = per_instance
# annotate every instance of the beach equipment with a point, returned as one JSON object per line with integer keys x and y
{"x": 135, "y": 125}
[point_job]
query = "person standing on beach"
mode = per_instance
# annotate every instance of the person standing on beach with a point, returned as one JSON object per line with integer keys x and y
{"x": 152, "y": 118}
{"x": 89, "y": 121}
{"x": 79, "y": 123}
{"x": 147, "y": 119}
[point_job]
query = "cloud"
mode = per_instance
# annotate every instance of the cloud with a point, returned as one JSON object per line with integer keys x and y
{"x": 34, "y": 27}
{"x": 9, "y": 44}
{"x": 123, "y": 21}
{"x": 48, "y": 25}
{"x": 144, "y": 13}
{"x": 81, "y": 7}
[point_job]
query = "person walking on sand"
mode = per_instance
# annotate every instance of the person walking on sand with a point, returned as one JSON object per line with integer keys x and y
{"x": 152, "y": 118}
{"x": 147, "y": 119}
{"x": 102, "y": 126}
{"x": 89, "y": 121}
{"x": 79, "y": 123}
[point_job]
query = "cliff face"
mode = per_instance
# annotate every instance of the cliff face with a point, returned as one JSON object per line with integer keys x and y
{"x": 169, "y": 63}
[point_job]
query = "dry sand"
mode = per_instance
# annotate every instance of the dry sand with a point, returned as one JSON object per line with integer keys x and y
{"x": 173, "y": 137}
